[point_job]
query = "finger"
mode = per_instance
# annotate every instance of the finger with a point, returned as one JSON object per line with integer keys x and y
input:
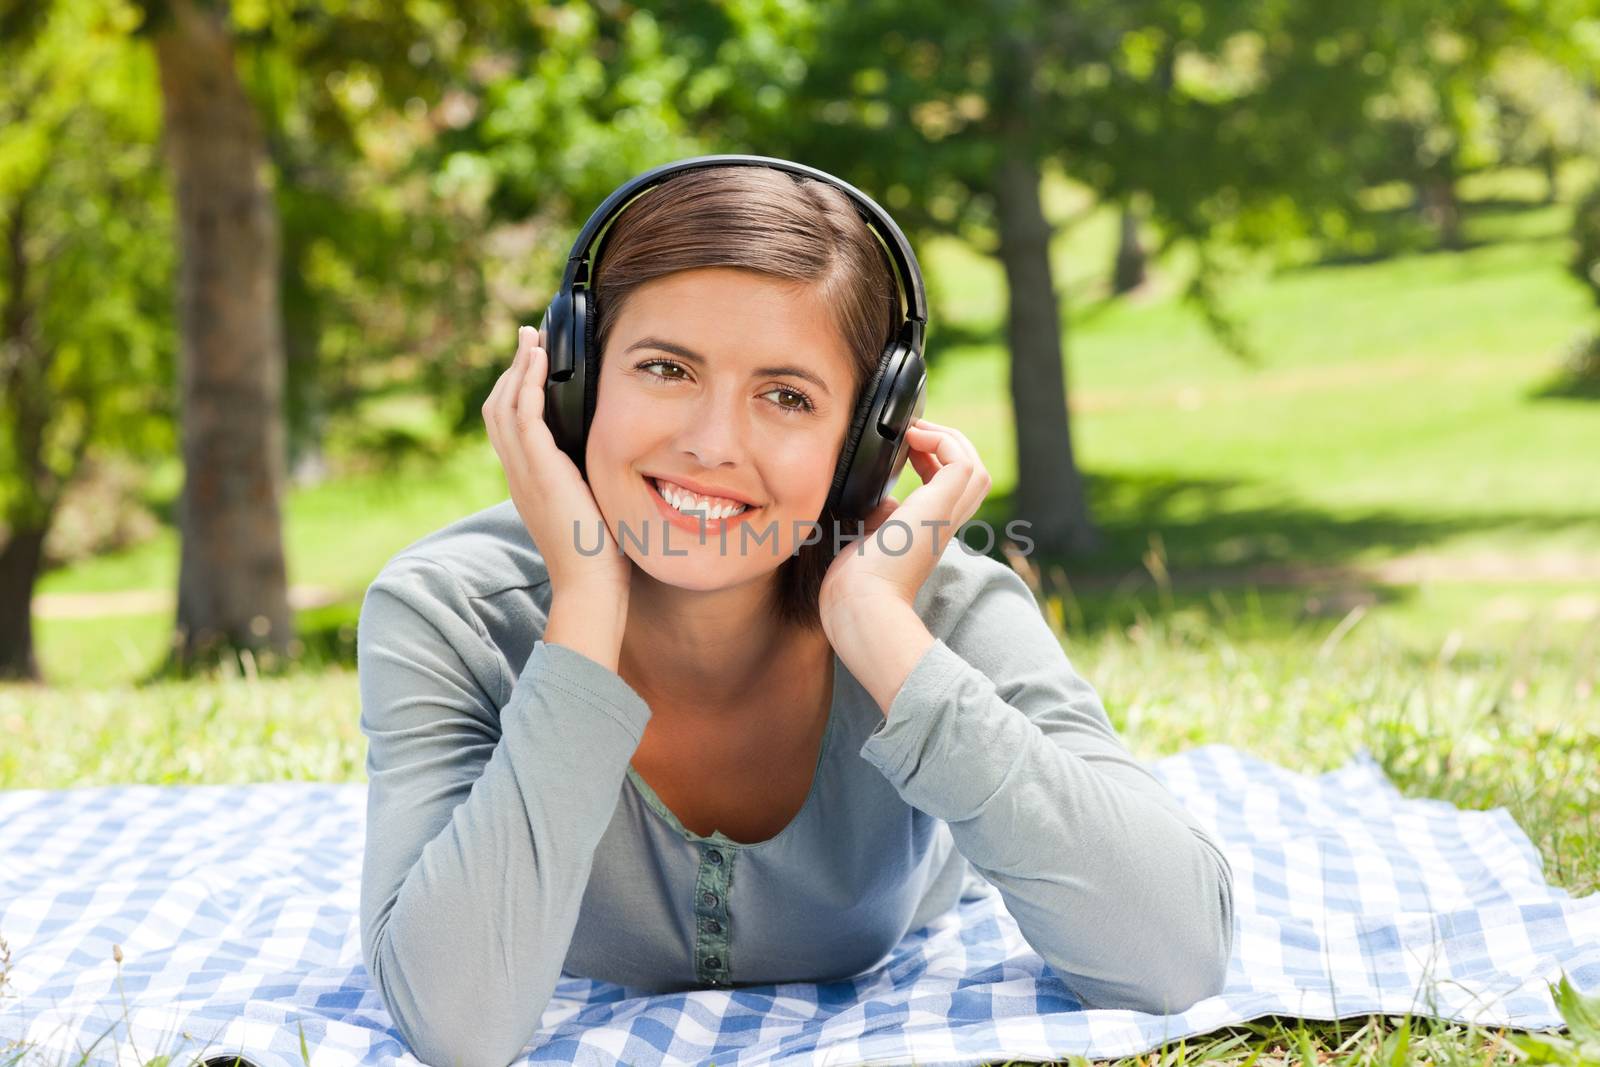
{"x": 964, "y": 445}
{"x": 492, "y": 414}
{"x": 501, "y": 416}
{"x": 496, "y": 395}
{"x": 977, "y": 491}
{"x": 961, "y": 438}
{"x": 530, "y": 395}
{"x": 922, "y": 445}
{"x": 946, "y": 445}
{"x": 925, "y": 453}
{"x": 956, "y": 495}
{"x": 979, "y": 482}
{"x": 514, "y": 379}
{"x": 924, "y": 464}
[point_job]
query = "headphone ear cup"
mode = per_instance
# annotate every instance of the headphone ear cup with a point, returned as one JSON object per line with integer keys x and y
{"x": 852, "y": 441}
{"x": 578, "y": 394}
{"x": 878, "y": 448}
{"x": 562, "y": 395}
{"x": 589, "y": 353}
{"x": 910, "y": 397}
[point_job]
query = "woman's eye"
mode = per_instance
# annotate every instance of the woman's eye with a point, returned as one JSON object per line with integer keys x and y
{"x": 667, "y": 363}
{"x": 803, "y": 405}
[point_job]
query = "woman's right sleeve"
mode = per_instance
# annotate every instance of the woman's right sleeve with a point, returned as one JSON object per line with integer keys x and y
{"x": 484, "y": 808}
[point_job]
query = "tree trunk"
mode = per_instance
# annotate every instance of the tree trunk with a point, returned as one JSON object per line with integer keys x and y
{"x": 303, "y": 410}
{"x": 304, "y": 419}
{"x": 1128, "y": 271}
{"x": 232, "y": 585}
{"x": 19, "y": 571}
{"x": 1050, "y": 492}
{"x": 24, "y": 373}
{"x": 1440, "y": 207}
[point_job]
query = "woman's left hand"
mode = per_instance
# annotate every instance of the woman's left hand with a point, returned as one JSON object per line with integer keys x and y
{"x": 874, "y": 571}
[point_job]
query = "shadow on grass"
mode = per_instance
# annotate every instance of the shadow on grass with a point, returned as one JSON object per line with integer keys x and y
{"x": 1579, "y": 377}
{"x": 325, "y": 638}
{"x": 1401, "y": 231}
{"x": 1568, "y": 387}
{"x": 1204, "y": 524}
{"x": 1211, "y": 545}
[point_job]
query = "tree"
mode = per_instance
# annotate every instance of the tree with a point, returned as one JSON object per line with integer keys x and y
{"x": 1544, "y": 112}
{"x": 1128, "y": 268}
{"x": 564, "y": 105}
{"x": 377, "y": 264}
{"x": 383, "y": 257}
{"x": 232, "y": 582}
{"x": 85, "y": 359}
{"x": 253, "y": 110}
{"x": 1455, "y": 88}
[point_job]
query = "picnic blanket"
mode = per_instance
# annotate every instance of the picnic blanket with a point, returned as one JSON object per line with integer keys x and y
{"x": 235, "y": 912}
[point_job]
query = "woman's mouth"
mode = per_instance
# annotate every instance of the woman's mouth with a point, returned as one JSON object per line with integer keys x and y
{"x": 689, "y": 512}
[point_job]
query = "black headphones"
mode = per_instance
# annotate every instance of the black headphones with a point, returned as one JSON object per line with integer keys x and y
{"x": 875, "y": 449}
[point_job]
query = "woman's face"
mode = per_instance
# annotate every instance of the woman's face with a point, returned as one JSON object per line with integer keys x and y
{"x": 738, "y": 383}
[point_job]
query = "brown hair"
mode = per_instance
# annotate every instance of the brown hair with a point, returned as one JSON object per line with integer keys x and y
{"x": 775, "y": 223}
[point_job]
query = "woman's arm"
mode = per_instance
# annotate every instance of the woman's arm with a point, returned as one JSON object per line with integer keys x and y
{"x": 485, "y": 803}
{"x": 1109, "y": 878}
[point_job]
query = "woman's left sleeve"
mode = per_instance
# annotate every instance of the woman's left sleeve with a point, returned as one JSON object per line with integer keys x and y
{"x": 1110, "y": 879}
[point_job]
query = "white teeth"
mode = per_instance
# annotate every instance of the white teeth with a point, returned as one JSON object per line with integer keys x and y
{"x": 686, "y": 502}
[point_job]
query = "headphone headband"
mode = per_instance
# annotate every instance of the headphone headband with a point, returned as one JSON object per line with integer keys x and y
{"x": 905, "y": 261}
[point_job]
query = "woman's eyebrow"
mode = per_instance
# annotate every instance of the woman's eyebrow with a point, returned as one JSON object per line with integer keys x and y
{"x": 695, "y": 357}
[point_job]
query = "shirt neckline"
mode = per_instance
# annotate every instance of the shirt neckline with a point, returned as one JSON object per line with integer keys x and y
{"x": 717, "y": 837}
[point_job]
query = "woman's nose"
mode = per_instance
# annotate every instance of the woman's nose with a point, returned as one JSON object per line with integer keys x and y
{"x": 716, "y": 432}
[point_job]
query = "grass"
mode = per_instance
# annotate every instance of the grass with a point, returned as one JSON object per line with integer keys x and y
{"x": 1401, "y": 411}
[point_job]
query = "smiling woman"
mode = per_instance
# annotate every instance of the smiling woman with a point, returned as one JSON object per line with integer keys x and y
{"x": 748, "y": 262}
{"x": 686, "y": 765}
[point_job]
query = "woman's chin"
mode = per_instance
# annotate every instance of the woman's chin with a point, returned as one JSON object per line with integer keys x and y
{"x": 706, "y": 576}
{"x": 686, "y": 564}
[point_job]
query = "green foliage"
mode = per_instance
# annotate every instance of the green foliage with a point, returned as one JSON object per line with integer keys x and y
{"x": 1542, "y": 111}
{"x": 432, "y": 162}
{"x": 382, "y": 266}
{"x": 1582, "y": 1047}
{"x": 88, "y": 335}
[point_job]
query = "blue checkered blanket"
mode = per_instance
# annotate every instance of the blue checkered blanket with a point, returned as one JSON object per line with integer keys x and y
{"x": 234, "y": 909}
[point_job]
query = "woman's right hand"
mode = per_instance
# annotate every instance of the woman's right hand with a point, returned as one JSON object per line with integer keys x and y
{"x": 550, "y": 494}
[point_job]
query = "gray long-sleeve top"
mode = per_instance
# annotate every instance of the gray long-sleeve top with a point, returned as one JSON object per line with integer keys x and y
{"x": 509, "y": 838}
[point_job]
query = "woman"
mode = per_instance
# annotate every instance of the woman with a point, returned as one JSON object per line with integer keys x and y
{"x": 679, "y": 765}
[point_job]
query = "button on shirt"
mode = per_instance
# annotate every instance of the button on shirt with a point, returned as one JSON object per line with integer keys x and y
{"x": 509, "y": 840}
